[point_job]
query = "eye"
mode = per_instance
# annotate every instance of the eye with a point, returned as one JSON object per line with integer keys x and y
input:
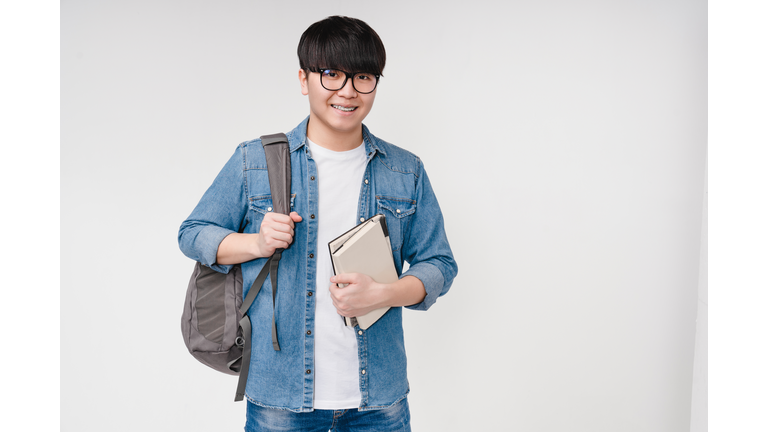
{"x": 330, "y": 73}
{"x": 364, "y": 77}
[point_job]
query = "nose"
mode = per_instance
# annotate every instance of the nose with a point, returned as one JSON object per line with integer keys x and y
{"x": 348, "y": 91}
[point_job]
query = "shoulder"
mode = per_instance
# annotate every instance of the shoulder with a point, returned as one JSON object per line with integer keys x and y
{"x": 394, "y": 158}
{"x": 253, "y": 150}
{"x": 253, "y": 154}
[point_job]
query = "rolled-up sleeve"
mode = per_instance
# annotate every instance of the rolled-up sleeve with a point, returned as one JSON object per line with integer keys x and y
{"x": 426, "y": 247}
{"x": 221, "y": 211}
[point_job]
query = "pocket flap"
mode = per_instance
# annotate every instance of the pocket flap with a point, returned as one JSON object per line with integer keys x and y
{"x": 263, "y": 204}
{"x": 399, "y": 207}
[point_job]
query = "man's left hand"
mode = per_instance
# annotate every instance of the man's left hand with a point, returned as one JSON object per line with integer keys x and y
{"x": 360, "y": 295}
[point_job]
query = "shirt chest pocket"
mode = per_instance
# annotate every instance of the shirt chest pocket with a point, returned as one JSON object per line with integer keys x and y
{"x": 398, "y": 212}
{"x": 259, "y": 206}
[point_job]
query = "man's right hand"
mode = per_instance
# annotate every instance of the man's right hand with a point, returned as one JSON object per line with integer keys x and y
{"x": 276, "y": 232}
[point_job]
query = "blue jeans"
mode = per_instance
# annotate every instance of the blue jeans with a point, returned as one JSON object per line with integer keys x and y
{"x": 396, "y": 418}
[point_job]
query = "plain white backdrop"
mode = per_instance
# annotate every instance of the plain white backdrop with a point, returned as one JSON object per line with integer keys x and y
{"x": 565, "y": 140}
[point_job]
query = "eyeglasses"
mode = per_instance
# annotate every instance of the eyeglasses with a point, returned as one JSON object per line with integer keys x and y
{"x": 334, "y": 80}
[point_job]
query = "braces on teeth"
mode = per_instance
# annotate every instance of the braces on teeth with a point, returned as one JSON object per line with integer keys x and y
{"x": 343, "y": 108}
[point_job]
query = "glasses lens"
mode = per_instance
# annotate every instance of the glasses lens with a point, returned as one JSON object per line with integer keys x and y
{"x": 332, "y": 79}
{"x": 365, "y": 82}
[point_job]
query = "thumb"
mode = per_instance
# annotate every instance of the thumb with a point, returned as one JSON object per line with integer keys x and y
{"x": 295, "y": 217}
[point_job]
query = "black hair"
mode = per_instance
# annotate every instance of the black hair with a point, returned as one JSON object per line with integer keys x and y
{"x": 344, "y": 43}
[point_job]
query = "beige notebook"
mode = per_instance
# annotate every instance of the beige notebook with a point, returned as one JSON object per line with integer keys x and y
{"x": 365, "y": 249}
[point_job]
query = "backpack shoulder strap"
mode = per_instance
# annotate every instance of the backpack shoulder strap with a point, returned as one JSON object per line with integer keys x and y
{"x": 278, "y": 156}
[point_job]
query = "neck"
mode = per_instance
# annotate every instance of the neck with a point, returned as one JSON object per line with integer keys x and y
{"x": 334, "y": 140}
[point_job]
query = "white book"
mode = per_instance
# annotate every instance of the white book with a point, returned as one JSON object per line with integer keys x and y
{"x": 365, "y": 249}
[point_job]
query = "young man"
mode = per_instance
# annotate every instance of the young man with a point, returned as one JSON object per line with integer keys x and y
{"x": 327, "y": 375}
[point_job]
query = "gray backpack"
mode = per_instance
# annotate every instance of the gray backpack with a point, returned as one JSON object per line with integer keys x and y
{"x": 215, "y": 322}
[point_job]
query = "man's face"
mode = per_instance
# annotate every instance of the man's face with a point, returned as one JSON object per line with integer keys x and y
{"x": 335, "y": 112}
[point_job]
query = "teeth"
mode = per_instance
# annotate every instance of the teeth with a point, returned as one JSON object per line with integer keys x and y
{"x": 339, "y": 107}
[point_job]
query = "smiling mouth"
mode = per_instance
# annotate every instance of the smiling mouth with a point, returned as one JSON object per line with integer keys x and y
{"x": 345, "y": 109}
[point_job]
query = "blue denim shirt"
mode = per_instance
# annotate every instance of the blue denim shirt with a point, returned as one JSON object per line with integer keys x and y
{"x": 394, "y": 184}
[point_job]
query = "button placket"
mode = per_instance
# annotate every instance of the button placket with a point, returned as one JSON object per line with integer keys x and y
{"x": 365, "y": 191}
{"x": 310, "y": 214}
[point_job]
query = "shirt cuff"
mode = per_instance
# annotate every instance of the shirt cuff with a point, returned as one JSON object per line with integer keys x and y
{"x": 208, "y": 240}
{"x": 433, "y": 281}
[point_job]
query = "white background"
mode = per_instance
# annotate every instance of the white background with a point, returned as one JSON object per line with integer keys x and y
{"x": 565, "y": 140}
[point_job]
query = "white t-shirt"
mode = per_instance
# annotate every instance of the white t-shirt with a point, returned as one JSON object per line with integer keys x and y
{"x": 339, "y": 177}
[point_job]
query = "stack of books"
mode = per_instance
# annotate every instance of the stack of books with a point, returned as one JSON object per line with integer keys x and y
{"x": 365, "y": 249}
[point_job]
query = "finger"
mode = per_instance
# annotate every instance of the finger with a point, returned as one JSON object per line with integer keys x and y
{"x": 295, "y": 217}
{"x": 341, "y": 308}
{"x": 282, "y": 228}
{"x": 282, "y": 238}
{"x": 334, "y": 299}
{"x": 278, "y": 222}
{"x": 340, "y": 299}
{"x": 344, "y": 278}
{"x": 279, "y": 218}
{"x": 335, "y": 293}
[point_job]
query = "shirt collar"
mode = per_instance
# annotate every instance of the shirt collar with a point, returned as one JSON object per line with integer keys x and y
{"x": 297, "y": 139}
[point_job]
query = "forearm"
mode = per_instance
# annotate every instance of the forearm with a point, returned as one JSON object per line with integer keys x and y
{"x": 405, "y": 292}
{"x": 238, "y": 248}
{"x": 356, "y": 294}
{"x": 276, "y": 232}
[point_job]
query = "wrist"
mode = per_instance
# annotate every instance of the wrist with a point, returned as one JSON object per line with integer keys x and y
{"x": 387, "y": 294}
{"x": 407, "y": 291}
{"x": 256, "y": 248}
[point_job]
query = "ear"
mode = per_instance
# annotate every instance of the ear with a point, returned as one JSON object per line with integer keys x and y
{"x": 303, "y": 81}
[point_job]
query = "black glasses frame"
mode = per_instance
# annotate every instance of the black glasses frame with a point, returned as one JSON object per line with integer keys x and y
{"x": 347, "y": 76}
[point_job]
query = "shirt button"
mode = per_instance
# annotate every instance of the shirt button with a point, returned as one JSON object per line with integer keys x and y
{"x": 309, "y": 294}
{"x": 362, "y": 219}
{"x": 366, "y": 181}
{"x": 398, "y": 210}
{"x": 269, "y": 208}
{"x": 311, "y": 216}
{"x": 311, "y": 255}
{"x": 309, "y": 371}
{"x": 363, "y": 372}
{"x": 309, "y": 332}
{"x": 312, "y": 178}
{"x": 360, "y": 332}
